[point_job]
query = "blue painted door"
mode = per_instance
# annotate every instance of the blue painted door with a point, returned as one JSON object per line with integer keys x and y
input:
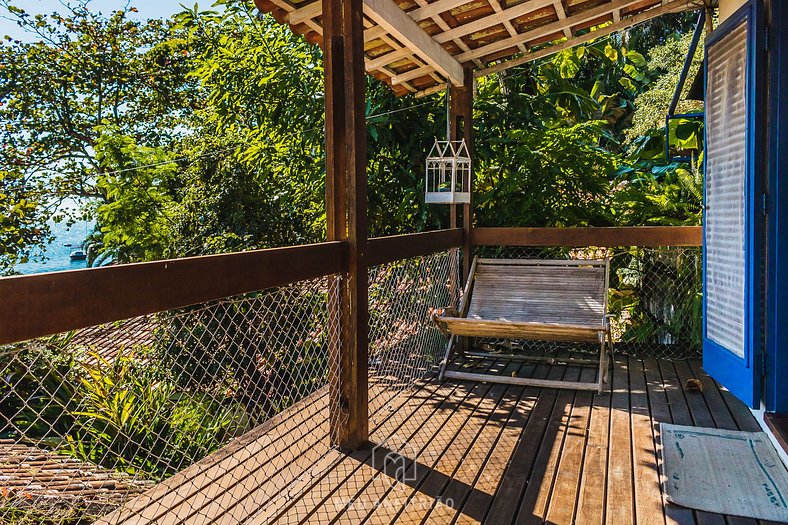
{"x": 734, "y": 204}
{"x": 776, "y": 379}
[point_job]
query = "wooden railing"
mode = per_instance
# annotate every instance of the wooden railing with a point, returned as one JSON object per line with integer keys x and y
{"x": 579, "y": 237}
{"x": 44, "y": 304}
{"x": 398, "y": 247}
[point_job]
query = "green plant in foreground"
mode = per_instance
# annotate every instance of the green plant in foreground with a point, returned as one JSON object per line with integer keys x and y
{"x": 134, "y": 417}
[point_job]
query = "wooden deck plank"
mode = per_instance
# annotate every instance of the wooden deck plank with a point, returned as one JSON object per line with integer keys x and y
{"x": 281, "y": 462}
{"x": 402, "y": 493}
{"x": 472, "y": 497}
{"x": 564, "y": 497}
{"x": 648, "y": 493}
{"x": 244, "y": 505}
{"x": 679, "y": 411}
{"x": 503, "y": 508}
{"x": 729, "y": 412}
{"x": 167, "y": 495}
{"x": 308, "y": 493}
{"x": 698, "y": 413}
{"x": 417, "y": 448}
{"x": 430, "y": 493}
{"x": 620, "y": 493}
{"x": 660, "y": 413}
{"x": 696, "y": 400}
{"x": 535, "y": 500}
{"x": 500, "y": 453}
{"x": 268, "y": 448}
{"x": 592, "y": 496}
{"x": 718, "y": 410}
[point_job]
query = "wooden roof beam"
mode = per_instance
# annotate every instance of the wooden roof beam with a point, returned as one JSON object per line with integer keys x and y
{"x": 671, "y": 7}
{"x": 310, "y": 11}
{"x": 398, "y": 24}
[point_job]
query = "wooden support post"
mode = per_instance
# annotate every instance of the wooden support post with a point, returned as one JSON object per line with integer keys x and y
{"x": 461, "y": 127}
{"x": 346, "y": 218}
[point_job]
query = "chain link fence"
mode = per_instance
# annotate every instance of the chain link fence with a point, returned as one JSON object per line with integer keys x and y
{"x": 93, "y": 418}
{"x": 404, "y": 343}
{"x": 655, "y": 299}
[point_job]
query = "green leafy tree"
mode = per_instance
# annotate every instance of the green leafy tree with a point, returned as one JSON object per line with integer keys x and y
{"x": 80, "y": 71}
{"x": 665, "y": 63}
{"x": 21, "y": 229}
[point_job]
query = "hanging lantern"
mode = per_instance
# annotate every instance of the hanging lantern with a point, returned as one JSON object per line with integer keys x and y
{"x": 448, "y": 173}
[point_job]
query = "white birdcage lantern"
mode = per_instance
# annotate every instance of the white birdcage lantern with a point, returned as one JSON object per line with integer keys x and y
{"x": 448, "y": 173}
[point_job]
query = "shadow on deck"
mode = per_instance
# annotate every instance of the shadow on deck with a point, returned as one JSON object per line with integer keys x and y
{"x": 460, "y": 453}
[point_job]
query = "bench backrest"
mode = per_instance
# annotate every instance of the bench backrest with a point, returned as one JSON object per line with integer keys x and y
{"x": 567, "y": 292}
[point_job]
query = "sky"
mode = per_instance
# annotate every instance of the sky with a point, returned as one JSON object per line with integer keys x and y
{"x": 147, "y": 9}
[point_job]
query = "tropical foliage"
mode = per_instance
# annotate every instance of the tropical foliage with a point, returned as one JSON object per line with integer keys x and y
{"x": 203, "y": 133}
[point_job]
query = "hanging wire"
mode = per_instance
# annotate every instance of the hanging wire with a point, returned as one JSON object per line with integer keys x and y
{"x": 448, "y": 112}
{"x": 224, "y": 150}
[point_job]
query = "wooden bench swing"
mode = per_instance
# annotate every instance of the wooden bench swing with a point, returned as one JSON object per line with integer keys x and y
{"x": 532, "y": 299}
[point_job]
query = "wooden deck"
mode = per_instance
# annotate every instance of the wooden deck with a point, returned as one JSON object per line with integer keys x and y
{"x": 461, "y": 453}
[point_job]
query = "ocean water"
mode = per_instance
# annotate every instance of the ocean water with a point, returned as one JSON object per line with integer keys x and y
{"x": 56, "y": 255}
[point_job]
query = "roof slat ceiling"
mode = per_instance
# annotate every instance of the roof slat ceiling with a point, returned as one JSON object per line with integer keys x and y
{"x": 421, "y": 52}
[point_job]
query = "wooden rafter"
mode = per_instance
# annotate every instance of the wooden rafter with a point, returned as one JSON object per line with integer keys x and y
{"x": 445, "y": 27}
{"x": 492, "y": 20}
{"x": 670, "y": 7}
{"x": 496, "y": 5}
{"x": 561, "y": 13}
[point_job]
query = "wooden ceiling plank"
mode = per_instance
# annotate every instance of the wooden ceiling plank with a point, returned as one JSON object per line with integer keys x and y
{"x": 305, "y": 13}
{"x": 671, "y": 7}
{"x": 387, "y": 14}
{"x": 431, "y": 90}
{"x": 445, "y": 27}
{"x": 389, "y": 58}
{"x": 435, "y": 8}
{"x": 373, "y": 33}
{"x": 410, "y": 75}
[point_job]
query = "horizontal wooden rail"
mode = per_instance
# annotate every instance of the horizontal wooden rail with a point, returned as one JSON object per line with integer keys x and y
{"x": 576, "y": 237}
{"x": 49, "y": 303}
{"x": 382, "y": 250}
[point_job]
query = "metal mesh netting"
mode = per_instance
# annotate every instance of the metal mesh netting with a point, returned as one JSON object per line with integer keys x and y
{"x": 404, "y": 344}
{"x": 655, "y": 299}
{"x": 93, "y": 418}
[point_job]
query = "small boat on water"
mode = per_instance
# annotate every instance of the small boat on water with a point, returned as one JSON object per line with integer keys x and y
{"x": 78, "y": 255}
